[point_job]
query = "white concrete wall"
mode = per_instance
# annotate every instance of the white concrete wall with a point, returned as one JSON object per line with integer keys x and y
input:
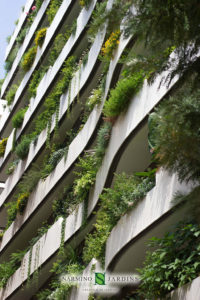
{"x": 156, "y": 203}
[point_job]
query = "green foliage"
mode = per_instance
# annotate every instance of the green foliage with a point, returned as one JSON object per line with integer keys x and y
{"x": 23, "y": 147}
{"x": 53, "y": 8}
{"x": 11, "y": 212}
{"x": 11, "y": 58}
{"x": 127, "y": 191}
{"x": 178, "y": 27}
{"x": 18, "y": 118}
{"x": 174, "y": 129}
{"x": 21, "y": 202}
{"x": 28, "y": 58}
{"x": 85, "y": 3}
{"x": 175, "y": 261}
{"x": 53, "y": 161}
{"x": 37, "y": 77}
{"x": 98, "y": 19}
{"x": 103, "y": 138}
{"x": 94, "y": 99}
{"x": 29, "y": 180}
{"x": 7, "y": 269}
{"x": 20, "y": 38}
{"x": 3, "y": 144}
{"x": 86, "y": 177}
{"x": 40, "y": 36}
{"x": 52, "y": 101}
{"x": 12, "y": 166}
{"x": 120, "y": 97}
{"x": 90, "y": 164}
{"x": 11, "y": 94}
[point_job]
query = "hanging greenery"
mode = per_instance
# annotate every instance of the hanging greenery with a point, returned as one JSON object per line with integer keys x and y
{"x": 172, "y": 262}
{"x": 115, "y": 202}
{"x": 28, "y": 58}
{"x": 40, "y": 36}
{"x": 174, "y": 128}
{"x": 3, "y": 144}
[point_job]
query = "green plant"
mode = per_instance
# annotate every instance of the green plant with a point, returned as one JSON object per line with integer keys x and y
{"x": 52, "y": 101}
{"x": 103, "y": 138}
{"x": 11, "y": 94}
{"x": 21, "y": 202}
{"x": 98, "y": 19}
{"x": 120, "y": 96}
{"x": 18, "y": 118}
{"x": 95, "y": 98}
{"x": 178, "y": 27}
{"x": 12, "y": 166}
{"x": 20, "y": 38}
{"x": 86, "y": 177}
{"x": 28, "y": 58}
{"x": 29, "y": 180}
{"x": 53, "y": 161}
{"x": 3, "y": 144}
{"x": 23, "y": 147}
{"x": 110, "y": 45}
{"x": 7, "y": 269}
{"x": 175, "y": 127}
{"x": 37, "y": 77}
{"x": 11, "y": 58}
{"x": 127, "y": 191}
{"x": 174, "y": 262}
{"x": 40, "y": 36}
{"x": 11, "y": 212}
{"x": 53, "y": 8}
{"x": 85, "y": 3}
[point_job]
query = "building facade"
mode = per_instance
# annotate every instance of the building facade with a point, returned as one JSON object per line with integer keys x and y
{"x": 81, "y": 192}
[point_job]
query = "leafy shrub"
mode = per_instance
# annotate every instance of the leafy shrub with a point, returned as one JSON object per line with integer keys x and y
{"x": 11, "y": 58}
{"x": 103, "y": 138}
{"x": 86, "y": 177}
{"x": 11, "y": 212}
{"x": 126, "y": 193}
{"x": 119, "y": 98}
{"x": 29, "y": 180}
{"x": 53, "y": 8}
{"x": 35, "y": 81}
{"x": 11, "y": 94}
{"x": 94, "y": 99}
{"x": 40, "y": 36}
{"x": 85, "y": 3}
{"x": 20, "y": 38}
{"x": 7, "y": 269}
{"x": 3, "y": 144}
{"x": 23, "y": 147}
{"x": 65, "y": 204}
{"x": 21, "y": 202}
{"x": 175, "y": 261}
{"x": 12, "y": 166}
{"x": 174, "y": 129}
{"x": 53, "y": 161}
{"x": 18, "y": 118}
{"x": 110, "y": 45}
{"x": 52, "y": 101}
{"x": 28, "y": 58}
{"x": 98, "y": 19}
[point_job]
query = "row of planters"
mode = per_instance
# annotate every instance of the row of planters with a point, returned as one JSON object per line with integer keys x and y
{"x": 174, "y": 144}
{"x": 50, "y": 13}
{"x": 88, "y": 165}
{"x": 175, "y": 261}
{"x": 29, "y": 57}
